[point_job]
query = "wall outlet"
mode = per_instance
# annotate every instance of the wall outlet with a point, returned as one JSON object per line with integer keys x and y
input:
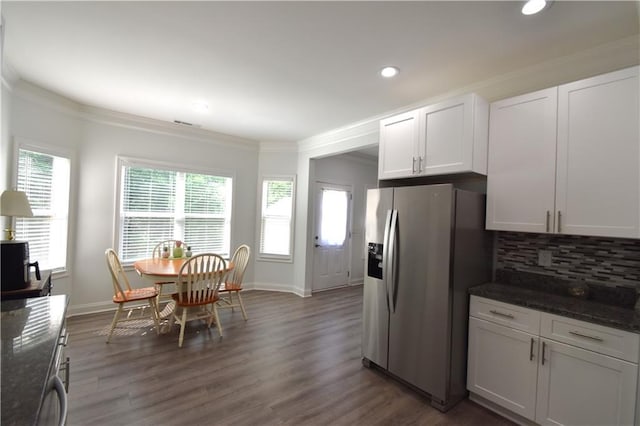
{"x": 544, "y": 257}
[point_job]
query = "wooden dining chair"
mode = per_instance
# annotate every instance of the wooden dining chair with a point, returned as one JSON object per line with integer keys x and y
{"x": 123, "y": 294}
{"x": 198, "y": 284}
{"x": 233, "y": 281}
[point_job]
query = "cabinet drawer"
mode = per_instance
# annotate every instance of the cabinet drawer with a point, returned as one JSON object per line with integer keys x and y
{"x": 605, "y": 340}
{"x": 513, "y": 316}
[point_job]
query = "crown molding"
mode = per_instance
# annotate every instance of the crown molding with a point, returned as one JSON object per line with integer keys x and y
{"x": 51, "y": 100}
{"x": 123, "y": 120}
{"x": 7, "y": 81}
{"x": 358, "y": 157}
{"x": 597, "y": 60}
{"x": 9, "y": 75}
{"x": 273, "y": 146}
{"x": 601, "y": 59}
{"x": 361, "y": 129}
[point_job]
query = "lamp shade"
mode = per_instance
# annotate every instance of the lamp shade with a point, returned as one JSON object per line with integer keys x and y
{"x": 15, "y": 203}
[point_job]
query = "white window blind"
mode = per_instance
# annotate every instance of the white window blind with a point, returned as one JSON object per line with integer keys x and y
{"x": 276, "y": 227}
{"x": 46, "y": 180}
{"x": 158, "y": 204}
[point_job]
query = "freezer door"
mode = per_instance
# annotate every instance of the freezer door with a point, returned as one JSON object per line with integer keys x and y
{"x": 419, "y": 326}
{"x": 379, "y": 202}
{"x": 375, "y": 314}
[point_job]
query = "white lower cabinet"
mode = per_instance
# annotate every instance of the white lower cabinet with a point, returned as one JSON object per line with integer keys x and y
{"x": 580, "y": 387}
{"x": 501, "y": 368}
{"x": 569, "y": 381}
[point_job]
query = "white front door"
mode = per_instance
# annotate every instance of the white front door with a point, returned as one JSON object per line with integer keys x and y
{"x": 332, "y": 237}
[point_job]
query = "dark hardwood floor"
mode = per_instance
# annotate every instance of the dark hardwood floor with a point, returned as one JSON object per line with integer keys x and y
{"x": 295, "y": 362}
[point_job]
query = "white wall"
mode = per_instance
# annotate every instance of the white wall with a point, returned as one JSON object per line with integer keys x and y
{"x": 344, "y": 140}
{"x": 96, "y": 138}
{"x": 5, "y": 144}
{"x": 96, "y": 141}
{"x": 360, "y": 175}
{"x": 38, "y": 118}
{"x": 271, "y": 275}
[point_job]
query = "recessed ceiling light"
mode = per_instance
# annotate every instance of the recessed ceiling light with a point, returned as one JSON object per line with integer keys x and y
{"x": 532, "y": 7}
{"x": 389, "y": 72}
{"x": 201, "y": 107}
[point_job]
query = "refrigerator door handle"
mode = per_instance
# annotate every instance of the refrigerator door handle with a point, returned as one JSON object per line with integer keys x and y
{"x": 385, "y": 255}
{"x": 391, "y": 261}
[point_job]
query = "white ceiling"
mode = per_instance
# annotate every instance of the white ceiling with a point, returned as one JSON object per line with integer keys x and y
{"x": 285, "y": 71}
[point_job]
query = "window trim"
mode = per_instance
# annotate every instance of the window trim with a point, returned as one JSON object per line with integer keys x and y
{"x": 57, "y": 151}
{"x": 277, "y": 258}
{"x": 122, "y": 160}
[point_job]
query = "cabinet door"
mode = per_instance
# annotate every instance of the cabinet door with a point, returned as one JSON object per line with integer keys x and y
{"x": 598, "y": 172}
{"x": 398, "y": 142}
{"x": 580, "y": 387}
{"x": 502, "y": 366}
{"x": 447, "y": 137}
{"x": 522, "y": 161}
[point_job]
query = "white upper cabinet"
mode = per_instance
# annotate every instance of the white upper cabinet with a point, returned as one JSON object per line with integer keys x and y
{"x": 598, "y": 165}
{"x": 444, "y": 138}
{"x": 398, "y": 146}
{"x": 567, "y": 159}
{"x": 522, "y": 163}
{"x": 454, "y": 136}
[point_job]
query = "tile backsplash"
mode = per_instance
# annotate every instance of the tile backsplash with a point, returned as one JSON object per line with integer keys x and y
{"x": 609, "y": 261}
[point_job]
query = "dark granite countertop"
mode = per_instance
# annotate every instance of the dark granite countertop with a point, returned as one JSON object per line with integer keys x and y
{"x": 30, "y": 333}
{"x": 610, "y": 315}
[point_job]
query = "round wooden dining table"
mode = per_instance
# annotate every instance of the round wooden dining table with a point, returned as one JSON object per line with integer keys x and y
{"x": 159, "y": 269}
{"x": 165, "y": 271}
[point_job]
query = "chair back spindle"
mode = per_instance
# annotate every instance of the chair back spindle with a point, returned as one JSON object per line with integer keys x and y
{"x": 199, "y": 279}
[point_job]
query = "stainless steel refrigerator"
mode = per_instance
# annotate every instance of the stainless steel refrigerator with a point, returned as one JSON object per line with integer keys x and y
{"x": 426, "y": 246}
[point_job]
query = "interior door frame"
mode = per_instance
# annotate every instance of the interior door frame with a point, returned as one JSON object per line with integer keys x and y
{"x": 316, "y": 200}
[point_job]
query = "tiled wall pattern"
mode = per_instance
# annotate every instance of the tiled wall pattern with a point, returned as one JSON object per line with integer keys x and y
{"x": 609, "y": 261}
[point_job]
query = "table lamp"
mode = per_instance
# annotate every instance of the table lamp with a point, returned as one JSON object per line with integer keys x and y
{"x": 14, "y": 203}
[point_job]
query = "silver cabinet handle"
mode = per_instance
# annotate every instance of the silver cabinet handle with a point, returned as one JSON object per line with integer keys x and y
{"x": 586, "y": 336}
{"x": 531, "y": 350}
{"x": 67, "y": 371}
{"x": 544, "y": 346}
{"x": 559, "y": 220}
{"x": 420, "y": 164}
{"x": 500, "y": 314}
{"x": 548, "y": 217}
{"x": 413, "y": 165}
{"x": 63, "y": 339}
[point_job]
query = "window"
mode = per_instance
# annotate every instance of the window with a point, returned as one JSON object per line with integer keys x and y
{"x": 276, "y": 225}
{"x": 334, "y": 208}
{"x": 158, "y": 203}
{"x": 46, "y": 180}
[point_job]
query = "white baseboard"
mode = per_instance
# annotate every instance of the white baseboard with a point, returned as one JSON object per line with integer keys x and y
{"x": 90, "y": 308}
{"x": 98, "y": 307}
{"x": 284, "y": 288}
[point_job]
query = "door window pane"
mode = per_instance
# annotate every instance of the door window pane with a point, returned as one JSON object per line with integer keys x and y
{"x": 333, "y": 224}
